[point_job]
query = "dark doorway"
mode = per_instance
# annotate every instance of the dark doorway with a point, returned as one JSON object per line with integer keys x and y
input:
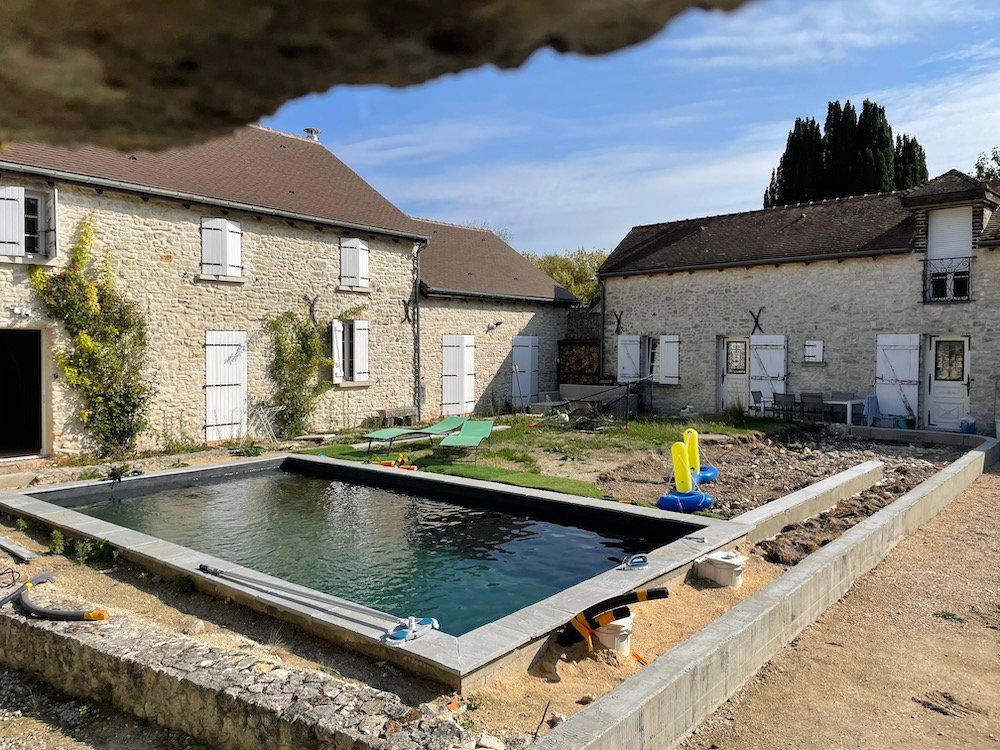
{"x": 21, "y": 386}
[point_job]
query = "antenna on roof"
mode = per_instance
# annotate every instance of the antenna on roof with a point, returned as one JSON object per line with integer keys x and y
{"x": 312, "y": 133}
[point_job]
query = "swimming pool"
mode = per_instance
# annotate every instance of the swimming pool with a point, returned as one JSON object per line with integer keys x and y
{"x": 405, "y": 554}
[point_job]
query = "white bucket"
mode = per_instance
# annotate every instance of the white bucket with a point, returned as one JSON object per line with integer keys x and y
{"x": 617, "y": 636}
{"x": 723, "y": 567}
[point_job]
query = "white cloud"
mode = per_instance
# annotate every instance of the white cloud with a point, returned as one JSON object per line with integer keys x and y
{"x": 789, "y": 32}
{"x": 425, "y": 142}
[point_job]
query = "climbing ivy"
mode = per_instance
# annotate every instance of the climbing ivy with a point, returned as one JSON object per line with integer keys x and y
{"x": 299, "y": 351}
{"x": 105, "y": 361}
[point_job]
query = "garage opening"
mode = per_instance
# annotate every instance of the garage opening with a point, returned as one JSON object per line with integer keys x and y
{"x": 21, "y": 385}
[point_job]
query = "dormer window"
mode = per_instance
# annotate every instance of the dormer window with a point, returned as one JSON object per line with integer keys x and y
{"x": 948, "y": 265}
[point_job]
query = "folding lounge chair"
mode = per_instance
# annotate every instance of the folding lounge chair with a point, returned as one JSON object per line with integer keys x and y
{"x": 390, "y": 434}
{"x": 472, "y": 434}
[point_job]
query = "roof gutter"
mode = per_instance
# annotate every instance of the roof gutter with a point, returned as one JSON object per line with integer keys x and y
{"x": 130, "y": 187}
{"x": 492, "y": 295}
{"x": 418, "y": 395}
{"x": 759, "y": 262}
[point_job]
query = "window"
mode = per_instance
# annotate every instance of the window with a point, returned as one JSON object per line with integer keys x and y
{"x": 813, "y": 352}
{"x": 949, "y": 360}
{"x": 354, "y": 263}
{"x": 651, "y": 358}
{"x": 947, "y": 280}
{"x": 221, "y": 247}
{"x": 350, "y": 351}
{"x": 27, "y": 222}
{"x": 736, "y": 357}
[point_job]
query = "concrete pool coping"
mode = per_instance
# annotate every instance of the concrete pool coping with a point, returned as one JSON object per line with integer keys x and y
{"x": 461, "y": 662}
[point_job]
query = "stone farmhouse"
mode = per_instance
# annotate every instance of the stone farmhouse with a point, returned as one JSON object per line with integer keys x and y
{"x": 892, "y": 294}
{"x": 212, "y": 240}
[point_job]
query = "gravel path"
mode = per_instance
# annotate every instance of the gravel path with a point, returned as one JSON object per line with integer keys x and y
{"x": 909, "y": 659}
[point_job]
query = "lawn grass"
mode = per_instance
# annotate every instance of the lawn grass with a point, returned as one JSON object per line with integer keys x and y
{"x": 514, "y": 453}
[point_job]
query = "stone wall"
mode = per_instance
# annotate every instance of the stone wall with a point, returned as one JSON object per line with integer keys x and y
{"x": 441, "y": 316}
{"x": 155, "y": 248}
{"x": 844, "y": 304}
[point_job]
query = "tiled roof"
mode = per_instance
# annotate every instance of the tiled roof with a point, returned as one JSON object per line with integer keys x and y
{"x": 469, "y": 261}
{"x": 860, "y": 225}
{"x": 951, "y": 187}
{"x": 254, "y": 166}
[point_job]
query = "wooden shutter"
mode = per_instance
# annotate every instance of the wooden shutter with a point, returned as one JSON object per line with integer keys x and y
{"x": 225, "y": 385}
{"x": 52, "y": 223}
{"x": 813, "y": 351}
{"x": 12, "y": 221}
{"x": 768, "y": 364}
{"x": 354, "y": 262}
{"x": 670, "y": 360}
{"x": 524, "y": 378}
{"x": 213, "y": 246}
{"x": 897, "y": 373}
{"x": 628, "y": 358}
{"x": 468, "y": 374}
{"x": 338, "y": 351}
{"x": 458, "y": 374}
{"x": 360, "y": 354}
{"x": 233, "y": 257}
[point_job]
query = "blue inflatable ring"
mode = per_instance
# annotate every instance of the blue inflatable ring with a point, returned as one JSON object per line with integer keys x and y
{"x": 685, "y": 502}
{"x": 706, "y": 474}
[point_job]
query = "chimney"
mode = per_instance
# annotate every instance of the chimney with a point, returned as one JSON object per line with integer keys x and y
{"x": 312, "y": 134}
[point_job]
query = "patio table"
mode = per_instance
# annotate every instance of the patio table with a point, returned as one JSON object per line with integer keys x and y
{"x": 846, "y": 402}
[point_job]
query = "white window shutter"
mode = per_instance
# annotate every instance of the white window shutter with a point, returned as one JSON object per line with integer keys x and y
{"x": 670, "y": 360}
{"x": 234, "y": 249}
{"x": 213, "y": 246}
{"x": 353, "y": 262}
{"x": 52, "y": 223}
{"x": 628, "y": 358}
{"x": 338, "y": 351}
{"x": 360, "y": 358}
{"x": 813, "y": 351}
{"x": 12, "y": 221}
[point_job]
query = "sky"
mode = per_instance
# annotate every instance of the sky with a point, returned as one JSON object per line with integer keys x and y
{"x": 571, "y": 151}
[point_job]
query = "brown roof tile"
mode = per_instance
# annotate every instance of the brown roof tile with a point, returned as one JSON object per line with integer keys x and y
{"x": 255, "y": 166}
{"x": 831, "y": 228}
{"x": 951, "y": 187}
{"x": 475, "y": 262}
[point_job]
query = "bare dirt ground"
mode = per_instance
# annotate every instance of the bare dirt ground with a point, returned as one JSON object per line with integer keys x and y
{"x": 909, "y": 659}
{"x": 754, "y": 470}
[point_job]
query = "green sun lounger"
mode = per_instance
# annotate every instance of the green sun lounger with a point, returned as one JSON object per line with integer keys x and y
{"x": 471, "y": 436}
{"x": 390, "y": 434}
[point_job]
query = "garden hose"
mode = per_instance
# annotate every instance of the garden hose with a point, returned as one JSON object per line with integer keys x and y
{"x": 46, "y": 613}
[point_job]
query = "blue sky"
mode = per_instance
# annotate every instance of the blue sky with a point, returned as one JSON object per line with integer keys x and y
{"x": 569, "y": 151}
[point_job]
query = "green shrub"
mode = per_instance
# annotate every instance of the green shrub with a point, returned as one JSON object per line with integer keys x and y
{"x": 182, "y": 584}
{"x": 107, "y": 356}
{"x": 22, "y": 525}
{"x": 299, "y": 351}
{"x": 57, "y": 545}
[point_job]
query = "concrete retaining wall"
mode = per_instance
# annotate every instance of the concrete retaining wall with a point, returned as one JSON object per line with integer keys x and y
{"x": 769, "y": 519}
{"x": 660, "y": 705}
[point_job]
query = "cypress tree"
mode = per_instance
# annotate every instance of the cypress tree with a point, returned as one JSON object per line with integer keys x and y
{"x": 799, "y": 176}
{"x": 910, "y": 163}
{"x": 876, "y": 152}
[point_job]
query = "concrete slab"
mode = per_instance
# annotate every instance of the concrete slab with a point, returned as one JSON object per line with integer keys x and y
{"x": 17, "y": 480}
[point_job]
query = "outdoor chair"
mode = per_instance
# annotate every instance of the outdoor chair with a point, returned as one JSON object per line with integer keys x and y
{"x": 760, "y": 405}
{"x": 813, "y": 407}
{"x": 785, "y": 406}
{"x": 391, "y": 434}
{"x": 470, "y": 437}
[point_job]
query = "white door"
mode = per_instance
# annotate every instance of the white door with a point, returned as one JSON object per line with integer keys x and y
{"x": 768, "y": 365}
{"x": 897, "y": 373}
{"x": 947, "y": 381}
{"x": 225, "y": 385}
{"x": 524, "y": 378}
{"x": 735, "y": 373}
{"x": 458, "y": 374}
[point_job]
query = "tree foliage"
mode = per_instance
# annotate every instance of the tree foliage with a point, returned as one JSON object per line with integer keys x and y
{"x": 576, "y": 271}
{"x": 298, "y": 352}
{"x": 854, "y": 154}
{"x": 988, "y": 165}
{"x": 107, "y": 356}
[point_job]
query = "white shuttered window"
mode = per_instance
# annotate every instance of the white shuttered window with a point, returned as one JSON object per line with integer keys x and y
{"x": 628, "y": 358}
{"x": 221, "y": 247}
{"x": 12, "y": 221}
{"x": 360, "y": 354}
{"x": 670, "y": 360}
{"x": 350, "y": 351}
{"x": 354, "y": 262}
{"x": 338, "y": 351}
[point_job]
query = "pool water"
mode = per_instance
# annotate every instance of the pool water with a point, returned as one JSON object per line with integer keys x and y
{"x": 406, "y": 555}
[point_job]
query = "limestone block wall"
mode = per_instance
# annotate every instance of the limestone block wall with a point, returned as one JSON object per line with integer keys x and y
{"x": 844, "y": 304}
{"x": 155, "y": 249}
{"x": 494, "y": 349}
